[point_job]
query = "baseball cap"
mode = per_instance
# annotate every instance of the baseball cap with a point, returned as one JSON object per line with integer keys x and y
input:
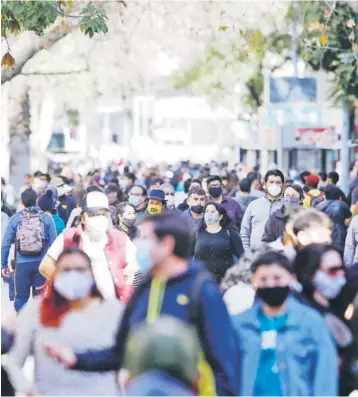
{"x": 95, "y": 201}
{"x": 312, "y": 179}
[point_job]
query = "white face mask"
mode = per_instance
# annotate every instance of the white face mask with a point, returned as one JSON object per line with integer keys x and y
{"x": 170, "y": 201}
{"x": 328, "y": 286}
{"x": 274, "y": 191}
{"x": 39, "y": 185}
{"x": 74, "y": 285}
{"x": 96, "y": 226}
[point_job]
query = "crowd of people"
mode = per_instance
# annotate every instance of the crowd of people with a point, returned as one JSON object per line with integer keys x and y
{"x": 181, "y": 280}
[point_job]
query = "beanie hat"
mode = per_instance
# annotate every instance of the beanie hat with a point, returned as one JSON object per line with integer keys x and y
{"x": 28, "y": 198}
{"x": 46, "y": 201}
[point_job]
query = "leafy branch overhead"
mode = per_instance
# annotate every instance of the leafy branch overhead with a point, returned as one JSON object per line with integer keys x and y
{"x": 39, "y": 16}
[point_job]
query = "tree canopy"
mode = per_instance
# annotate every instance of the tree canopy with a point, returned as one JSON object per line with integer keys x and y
{"x": 41, "y": 17}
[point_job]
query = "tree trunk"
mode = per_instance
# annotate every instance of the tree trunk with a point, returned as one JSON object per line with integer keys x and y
{"x": 19, "y": 145}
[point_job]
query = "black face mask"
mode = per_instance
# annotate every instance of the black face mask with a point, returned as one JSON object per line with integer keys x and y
{"x": 273, "y": 296}
{"x": 128, "y": 222}
{"x": 215, "y": 191}
{"x": 197, "y": 209}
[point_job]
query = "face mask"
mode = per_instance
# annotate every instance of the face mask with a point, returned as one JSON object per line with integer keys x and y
{"x": 134, "y": 200}
{"x": 273, "y": 296}
{"x": 197, "y": 209}
{"x": 293, "y": 174}
{"x": 328, "y": 286}
{"x": 97, "y": 226}
{"x": 170, "y": 201}
{"x": 144, "y": 260}
{"x": 39, "y": 185}
{"x": 274, "y": 191}
{"x": 291, "y": 202}
{"x": 215, "y": 191}
{"x": 154, "y": 209}
{"x": 74, "y": 285}
{"x": 128, "y": 222}
{"x": 211, "y": 219}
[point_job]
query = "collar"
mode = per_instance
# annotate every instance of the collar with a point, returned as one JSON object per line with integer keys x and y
{"x": 251, "y": 319}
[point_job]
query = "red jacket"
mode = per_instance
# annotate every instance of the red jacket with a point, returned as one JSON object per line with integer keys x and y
{"x": 115, "y": 252}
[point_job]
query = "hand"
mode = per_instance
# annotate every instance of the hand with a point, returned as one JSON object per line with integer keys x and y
{"x": 64, "y": 355}
{"x": 5, "y": 272}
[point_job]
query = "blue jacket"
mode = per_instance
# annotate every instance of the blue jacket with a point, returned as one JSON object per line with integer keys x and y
{"x": 157, "y": 383}
{"x": 306, "y": 354}
{"x": 10, "y": 237}
{"x": 215, "y": 329}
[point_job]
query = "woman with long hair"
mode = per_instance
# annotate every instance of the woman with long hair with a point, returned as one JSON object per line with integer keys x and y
{"x": 329, "y": 287}
{"x": 73, "y": 312}
{"x": 125, "y": 219}
{"x": 217, "y": 242}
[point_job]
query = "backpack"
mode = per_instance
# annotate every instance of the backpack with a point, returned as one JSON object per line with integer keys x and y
{"x": 30, "y": 235}
{"x": 315, "y": 200}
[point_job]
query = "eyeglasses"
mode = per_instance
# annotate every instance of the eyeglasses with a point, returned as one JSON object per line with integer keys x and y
{"x": 170, "y": 194}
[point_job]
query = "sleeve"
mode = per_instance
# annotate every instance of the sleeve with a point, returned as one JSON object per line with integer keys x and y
{"x": 8, "y": 240}
{"x": 219, "y": 339}
{"x": 236, "y": 243}
{"x": 57, "y": 247}
{"x": 269, "y": 233}
{"x": 246, "y": 228}
{"x": 52, "y": 233}
{"x": 27, "y": 322}
{"x": 355, "y": 195}
{"x": 350, "y": 245}
{"x": 98, "y": 360}
{"x": 325, "y": 380}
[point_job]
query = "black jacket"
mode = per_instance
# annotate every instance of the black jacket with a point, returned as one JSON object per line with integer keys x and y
{"x": 275, "y": 226}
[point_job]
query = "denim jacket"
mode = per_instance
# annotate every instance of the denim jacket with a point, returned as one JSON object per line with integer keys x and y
{"x": 306, "y": 354}
{"x": 10, "y": 236}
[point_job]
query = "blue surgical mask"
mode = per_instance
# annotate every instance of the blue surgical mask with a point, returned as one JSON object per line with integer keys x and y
{"x": 144, "y": 259}
{"x": 211, "y": 219}
{"x": 328, "y": 286}
{"x": 74, "y": 285}
{"x": 134, "y": 200}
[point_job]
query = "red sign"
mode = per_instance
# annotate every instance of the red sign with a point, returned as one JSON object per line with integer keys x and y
{"x": 315, "y": 136}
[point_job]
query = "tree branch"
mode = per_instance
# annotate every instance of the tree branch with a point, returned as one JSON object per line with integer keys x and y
{"x": 51, "y": 38}
{"x": 86, "y": 69}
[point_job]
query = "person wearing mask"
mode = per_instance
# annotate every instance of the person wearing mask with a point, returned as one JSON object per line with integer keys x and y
{"x": 66, "y": 203}
{"x": 259, "y": 211}
{"x": 322, "y": 180}
{"x": 32, "y": 231}
{"x": 40, "y": 183}
{"x": 243, "y": 196}
{"x": 113, "y": 193}
{"x": 126, "y": 219}
{"x": 329, "y": 288}
{"x": 312, "y": 192}
{"x": 194, "y": 214}
{"x": 293, "y": 196}
{"x": 256, "y": 187}
{"x": 233, "y": 209}
{"x": 188, "y": 185}
{"x": 127, "y": 182}
{"x": 332, "y": 178}
{"x": 338, "y": 211}
{"x": 162, "y": 359}
{"x": 110, "y": 250}
{"x": 286, "y": 347}
{"x": 138, "y": 197}
{"x": 176, "y": 287}
{"x": 74, "y": 311}
{"x": 217, "y": 242}
{"x": 47, "y": 204}
{"x": 169, "y": 192}
{"x": 156, "y": 202}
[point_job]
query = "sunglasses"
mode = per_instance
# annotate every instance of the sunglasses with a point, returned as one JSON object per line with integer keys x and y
{"x": 170, "y": 194}
{"x": 334, "y": 270}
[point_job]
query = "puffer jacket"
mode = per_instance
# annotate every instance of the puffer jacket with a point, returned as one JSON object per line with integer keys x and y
{"x": 350, "y": 248}
{"x": 275, "y": 226}
{"x": 338, "y": 212}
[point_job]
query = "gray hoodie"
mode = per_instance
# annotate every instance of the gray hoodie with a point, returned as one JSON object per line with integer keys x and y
{"x": 254, "y": 221}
